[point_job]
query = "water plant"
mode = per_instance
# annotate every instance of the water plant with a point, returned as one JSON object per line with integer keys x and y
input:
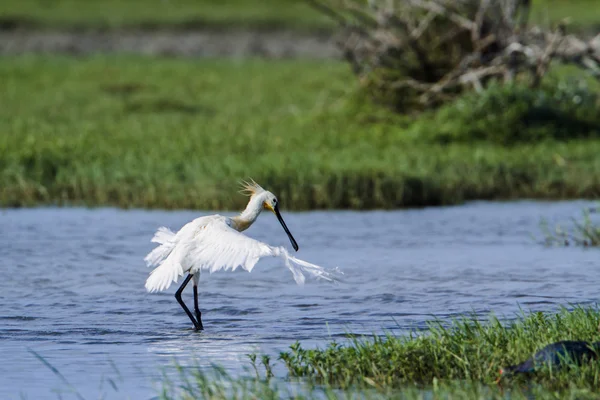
{"x": 211, "y": 385}
{"x": 583, "y": 232}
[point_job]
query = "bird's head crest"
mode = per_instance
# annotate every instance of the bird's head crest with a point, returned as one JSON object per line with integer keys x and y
{"x": 251, "y": 188}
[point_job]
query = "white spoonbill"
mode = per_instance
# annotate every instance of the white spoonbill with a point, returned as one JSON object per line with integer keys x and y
{"x": 213, "y": 243}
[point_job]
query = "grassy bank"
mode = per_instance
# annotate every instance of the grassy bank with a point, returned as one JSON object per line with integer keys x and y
{"x": 261, "y": 14}
{"x": 468, "y": 351}
{"x": 459, "y": 361}
{"x": 132, "y": 131}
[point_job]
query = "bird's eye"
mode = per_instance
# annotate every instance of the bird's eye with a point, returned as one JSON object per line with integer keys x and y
{"x": 274, "y": 201}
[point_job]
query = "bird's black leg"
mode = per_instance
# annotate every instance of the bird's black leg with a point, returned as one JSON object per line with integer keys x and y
{"x": 182, "y": 304}
{"x": 198, "y": 313}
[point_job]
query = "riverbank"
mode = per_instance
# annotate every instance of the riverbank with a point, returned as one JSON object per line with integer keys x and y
{"x": 171, "y": 133}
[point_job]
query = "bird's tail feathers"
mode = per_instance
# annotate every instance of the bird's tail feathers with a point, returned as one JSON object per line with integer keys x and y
{"x": 163, "y": 236}
{"x": 168, "y": 265}
{"x": 300, "y": 267}
{"x": 162, "y": 276}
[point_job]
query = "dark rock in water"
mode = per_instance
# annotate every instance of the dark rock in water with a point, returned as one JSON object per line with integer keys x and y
{"x": 556, "y": 355}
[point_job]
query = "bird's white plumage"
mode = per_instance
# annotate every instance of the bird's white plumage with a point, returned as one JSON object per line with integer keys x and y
{"x": 212, "y": 244}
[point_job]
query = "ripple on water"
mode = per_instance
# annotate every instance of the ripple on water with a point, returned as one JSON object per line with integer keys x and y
{"x": 73, "y": 287}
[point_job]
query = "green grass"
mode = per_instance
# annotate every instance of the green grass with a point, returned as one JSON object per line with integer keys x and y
{"x": 265, "y": 14}
{"x": 110, "y": 14}
{"x": 468, "y": 351}
{"x": 581, "y": 13}
{"x": 145, "y": 132}
{"x": 566, "y": 107}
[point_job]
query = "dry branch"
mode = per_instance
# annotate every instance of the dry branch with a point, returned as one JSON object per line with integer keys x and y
{"x": 424, "y": 52}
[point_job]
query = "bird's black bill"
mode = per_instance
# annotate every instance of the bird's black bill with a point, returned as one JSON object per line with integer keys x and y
{"x": 285, "y": 228}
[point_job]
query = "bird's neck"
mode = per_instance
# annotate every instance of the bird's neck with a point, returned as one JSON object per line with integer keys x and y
{"x": 248, "y": 216}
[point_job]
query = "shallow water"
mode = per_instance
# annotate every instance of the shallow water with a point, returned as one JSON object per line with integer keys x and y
{"x": 72, "y": 288}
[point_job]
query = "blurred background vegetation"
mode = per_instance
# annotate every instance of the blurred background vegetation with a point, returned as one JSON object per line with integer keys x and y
{"x": 184, "y": 14}
{"x": 139, "y": 130}
{"x": 283, "y": 14}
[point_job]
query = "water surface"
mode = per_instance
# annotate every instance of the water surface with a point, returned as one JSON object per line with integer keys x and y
{"x": 72, "y": 288}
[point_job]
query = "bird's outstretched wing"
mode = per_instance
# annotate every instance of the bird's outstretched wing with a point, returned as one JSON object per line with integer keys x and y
{"x": 215, "y": 246}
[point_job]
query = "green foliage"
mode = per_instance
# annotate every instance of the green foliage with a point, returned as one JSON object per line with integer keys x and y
{"x": 508, "y": 114}
{"x": 295, "y": 14}
{"x": 178, "y": 14}
{"x": 581, "y": 14}
{"x": 176, "y": 133}
{"x": 469, "y": 350}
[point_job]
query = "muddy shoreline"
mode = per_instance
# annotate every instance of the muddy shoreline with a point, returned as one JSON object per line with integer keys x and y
{"x": 193, "y": 43}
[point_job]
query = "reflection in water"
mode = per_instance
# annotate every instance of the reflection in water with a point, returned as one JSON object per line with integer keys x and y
{"x": 72, "y": 288}
{"x": 222, "y": 349}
